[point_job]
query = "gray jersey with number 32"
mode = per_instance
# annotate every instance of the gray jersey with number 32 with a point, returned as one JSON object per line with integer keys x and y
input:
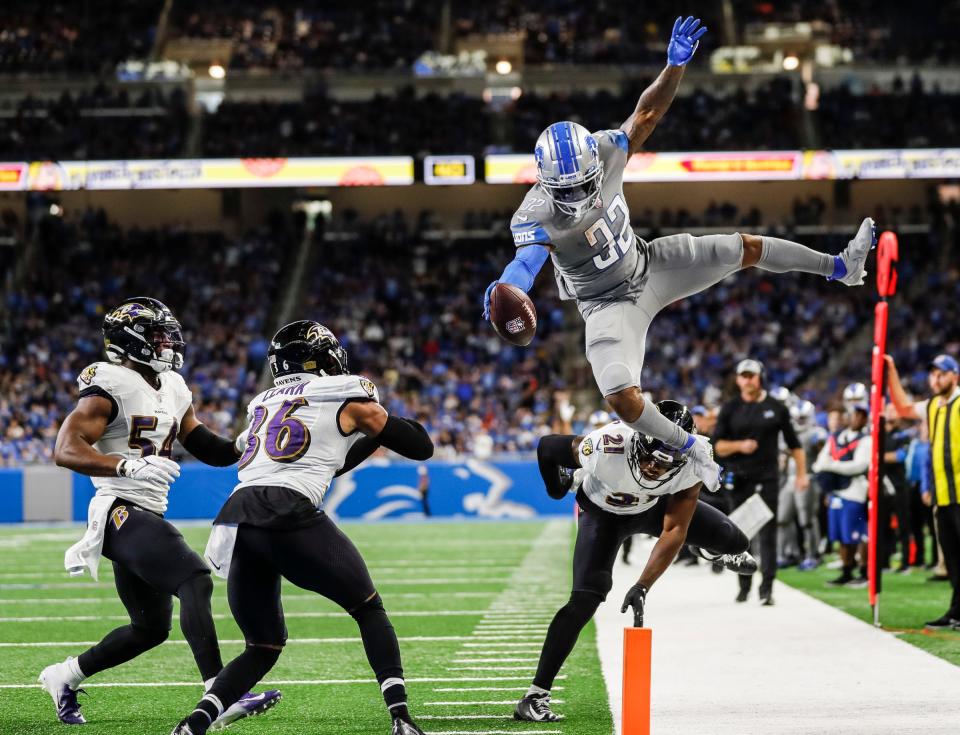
{"x": 597, "y": 258}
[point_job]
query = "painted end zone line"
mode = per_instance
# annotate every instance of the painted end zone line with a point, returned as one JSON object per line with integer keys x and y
{"x": 289, "y": 682}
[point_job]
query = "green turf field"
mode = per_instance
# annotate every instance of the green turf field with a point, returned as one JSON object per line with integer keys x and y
{"x": 907, "y": 601}
{"x": 470, "y": 603}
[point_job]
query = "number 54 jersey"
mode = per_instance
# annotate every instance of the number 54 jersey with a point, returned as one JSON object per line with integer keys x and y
{"x": 294, "y": 438}
{"x": 143, "y": 421}
{"x": 608, "y": 481}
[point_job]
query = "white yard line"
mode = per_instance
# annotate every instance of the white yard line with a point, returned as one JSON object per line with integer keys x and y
{"x": 228, "y": 616}
{"x": 487, "y": 689}
{"x": 464, "y": 703}
{"x": 334, "y": 639}
{"x": 112, "y": 599}
{"x": 283, "y": 682}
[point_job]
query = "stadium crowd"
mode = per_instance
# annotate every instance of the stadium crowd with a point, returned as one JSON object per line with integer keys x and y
{"x": 105, "y": 122}
{"x": 412, "y": 324}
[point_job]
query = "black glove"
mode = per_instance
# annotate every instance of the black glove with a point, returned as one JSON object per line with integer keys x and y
{"x": 637, "y": 597}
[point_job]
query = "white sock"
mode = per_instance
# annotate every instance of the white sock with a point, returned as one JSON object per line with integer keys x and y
{"x": 75, "y": 676}
{"x": 534, "y": 689}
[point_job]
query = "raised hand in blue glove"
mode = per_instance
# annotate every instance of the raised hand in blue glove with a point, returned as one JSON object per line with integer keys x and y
{"x": 684, "y": 40}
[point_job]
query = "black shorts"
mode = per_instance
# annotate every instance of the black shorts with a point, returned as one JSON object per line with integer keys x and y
{"x": 311, "y": 552}
{"x": 151, "y": 561}
{"x": 600, "y": 534}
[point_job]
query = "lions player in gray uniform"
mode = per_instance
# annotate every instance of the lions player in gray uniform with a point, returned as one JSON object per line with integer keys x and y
{"x": 577, "y": 215}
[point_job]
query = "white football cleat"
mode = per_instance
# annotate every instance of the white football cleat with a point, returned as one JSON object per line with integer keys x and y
{"x": 54, "y": 680}
{"x": 854, "y": 256}
{"x": 248, "y": 705}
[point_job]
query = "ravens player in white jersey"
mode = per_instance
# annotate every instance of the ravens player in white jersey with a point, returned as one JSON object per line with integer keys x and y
{"x": 317, "y": 421}
{"x": 576, "y": 214}
{"x": 130, "y": 411}
{"x": 626, "y": 483}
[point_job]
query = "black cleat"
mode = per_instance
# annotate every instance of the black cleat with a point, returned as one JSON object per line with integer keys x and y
{"x": 742, "y": 563}
{"x": 844, "y": 579}
{"x": 182, "y": 729}
{"x": 742, "y": 595}
{"x": 945, "y": 622}
{"x": 767, "y": 599}
{"x": 535, "y": 708}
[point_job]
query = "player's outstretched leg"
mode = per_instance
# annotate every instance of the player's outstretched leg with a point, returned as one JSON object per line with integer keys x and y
{"x": 782, "y": 256}
{"x": 713, "y": 536}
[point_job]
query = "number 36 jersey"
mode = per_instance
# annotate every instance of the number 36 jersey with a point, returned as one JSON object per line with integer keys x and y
{"x": 143, "y": 421}
{"x": 608, "y": 481}
{"x": 294, "y": 438}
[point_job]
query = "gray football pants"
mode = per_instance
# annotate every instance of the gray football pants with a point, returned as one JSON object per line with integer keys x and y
{"x": 680, "y": 265}
{"x": 795, "y": 509}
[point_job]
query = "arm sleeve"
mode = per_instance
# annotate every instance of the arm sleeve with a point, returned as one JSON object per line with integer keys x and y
{"x": 553, "y": 452}
{"x": 789, "y": 433}
{"x": 722, "y": 429}
{"x": 211, "y": 449}
{"x": 523, "y": 269}
{"x": 359, "y": 452}
{"x": 406, "y": 437}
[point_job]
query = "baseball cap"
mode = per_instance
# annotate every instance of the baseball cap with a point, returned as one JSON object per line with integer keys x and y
{"x": 945, "y": 363}
{"x": 749, "y": 366}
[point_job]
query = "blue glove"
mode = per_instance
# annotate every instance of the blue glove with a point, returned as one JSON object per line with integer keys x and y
{"x": 684, "y": 40}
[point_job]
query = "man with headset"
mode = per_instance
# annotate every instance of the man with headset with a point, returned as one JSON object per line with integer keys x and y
{"x": 746, "y": 441}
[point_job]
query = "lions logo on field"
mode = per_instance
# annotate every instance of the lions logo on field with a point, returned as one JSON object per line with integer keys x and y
{"x": 119, "y": 516}
{"x": 87, "y": 375}
{"x": 368, "y": 387}
{"x": 129, "y": 312}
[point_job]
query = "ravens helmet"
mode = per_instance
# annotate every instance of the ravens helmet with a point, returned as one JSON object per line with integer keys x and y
{"x": 306, "y": 346}
{"x": 569, "y": 169}
{"x": 144, "y": 330}
{"x": 645, "y": 449}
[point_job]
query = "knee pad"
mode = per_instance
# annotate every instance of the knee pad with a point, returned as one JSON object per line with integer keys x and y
{"x": 198, "y": 586}
{"x": 373, "y": 606}
{"x": 583, "y": 604}
{"x": 265, "y": 654}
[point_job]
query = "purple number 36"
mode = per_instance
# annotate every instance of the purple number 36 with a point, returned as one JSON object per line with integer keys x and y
{"x": 287, "y": 437}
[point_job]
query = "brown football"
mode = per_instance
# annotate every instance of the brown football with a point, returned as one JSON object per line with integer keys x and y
{"x": 512, "y": 314}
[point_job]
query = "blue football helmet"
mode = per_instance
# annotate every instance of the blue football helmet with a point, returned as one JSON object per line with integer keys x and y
{"x": 569, "y": 169}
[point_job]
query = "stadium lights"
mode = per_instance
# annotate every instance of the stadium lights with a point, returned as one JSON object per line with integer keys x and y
{"x": 217, "y": 71}
{"x": 791, "y": 63}
{"x": 503, "y": 67}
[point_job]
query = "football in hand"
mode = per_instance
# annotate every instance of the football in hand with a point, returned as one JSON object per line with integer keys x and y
{"x": 512, "y": 314}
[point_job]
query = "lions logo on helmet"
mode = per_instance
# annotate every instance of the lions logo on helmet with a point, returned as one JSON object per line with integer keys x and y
{"x": 856, "y": 397}
{"x": 569, "y": 169}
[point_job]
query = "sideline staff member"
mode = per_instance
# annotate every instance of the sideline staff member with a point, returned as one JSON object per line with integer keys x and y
{"x": 746, "y": 440}
{"x": 941, "y": 416}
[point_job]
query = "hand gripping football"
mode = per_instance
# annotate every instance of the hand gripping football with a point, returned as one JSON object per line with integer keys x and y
{"x": 512, "y": 314}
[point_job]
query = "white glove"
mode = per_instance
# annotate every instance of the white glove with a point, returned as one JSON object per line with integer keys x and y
{"x": 152, "y": 469}
{"x": 566, "y": 411}
{"x": 704, "y": 466}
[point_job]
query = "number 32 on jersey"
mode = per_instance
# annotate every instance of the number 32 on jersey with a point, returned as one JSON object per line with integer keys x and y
{"x": 601, "y": 234}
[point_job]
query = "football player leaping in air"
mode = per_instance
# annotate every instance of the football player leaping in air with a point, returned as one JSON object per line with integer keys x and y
{"x": 318, "y": 421}
{"x": 626, "y": 483}
{"x": 130, "y": 412}
{"x": 577, "y": 215}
